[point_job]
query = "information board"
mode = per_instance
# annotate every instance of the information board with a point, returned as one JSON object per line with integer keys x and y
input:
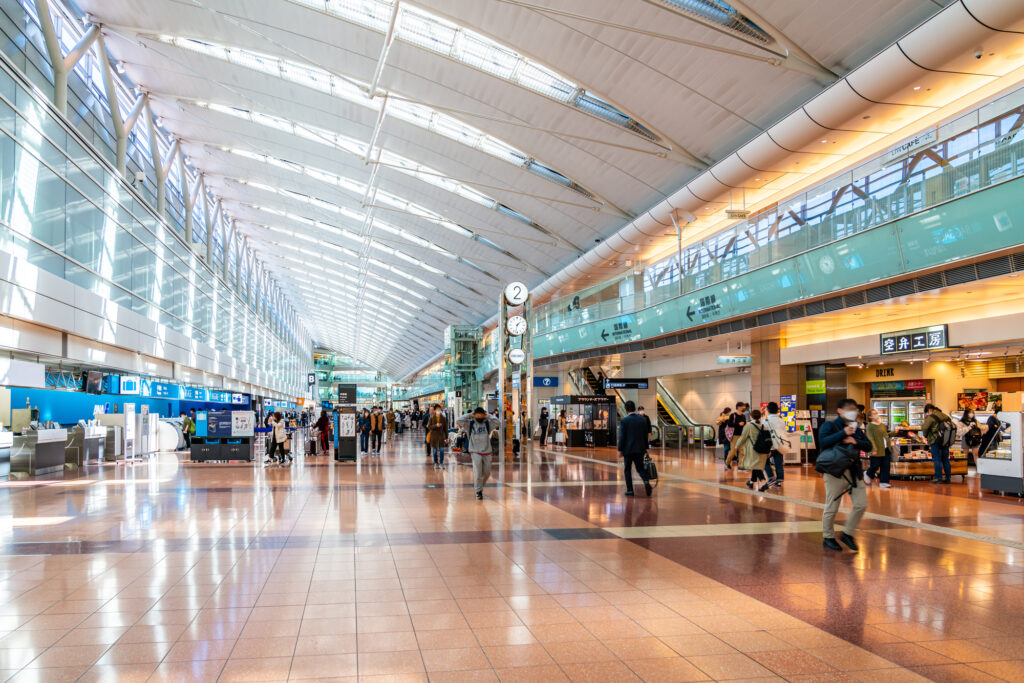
{"x": 218, "y": 424}
{"x": 243, "y": 423}
{"x": 347, "y": 424}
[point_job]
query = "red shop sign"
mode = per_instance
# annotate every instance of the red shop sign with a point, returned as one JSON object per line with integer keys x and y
{"x": 915, "y": 385}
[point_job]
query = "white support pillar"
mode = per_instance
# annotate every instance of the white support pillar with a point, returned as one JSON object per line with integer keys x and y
{"x": 158, "y": 165}
{"x": 60, "y": 74}
{"x": 120, "y": 132}
{"x": 207, "y": 221}
{"x": 186, "y": 197}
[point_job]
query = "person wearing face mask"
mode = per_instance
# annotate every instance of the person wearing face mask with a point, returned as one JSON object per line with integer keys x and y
{"x": 478, "y": 428}
{"x": 376, "y": 430}
{"x": 750, "y": 458}
{"x": 363, "y": 424}
{"x": 844, "y": 433}
{"x": 437, "y": 436}
{"x": 881, "y": 457}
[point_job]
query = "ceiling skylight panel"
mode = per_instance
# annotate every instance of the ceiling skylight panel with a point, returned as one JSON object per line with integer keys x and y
{"x": 307, "y": 76}
{"x": 421, "y": 29}
{"x": 372, "y": 13}
{"x": 486, "y": 55}
{"x": 413, "y": 113}
{"x": 456, "y": 130}
{"x": 502, "y": 150}
{"x": 545, "y": 81}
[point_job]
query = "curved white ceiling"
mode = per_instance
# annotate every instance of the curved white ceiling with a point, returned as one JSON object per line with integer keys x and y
{"x": 503, "y": 158}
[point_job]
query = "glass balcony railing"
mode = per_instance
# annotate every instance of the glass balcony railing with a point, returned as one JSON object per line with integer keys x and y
{"x": 978, "y": 150}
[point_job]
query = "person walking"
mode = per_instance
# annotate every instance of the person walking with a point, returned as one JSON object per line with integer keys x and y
{"x": 390, "y": 418}
{"x": 845, "y": 434}
{"x": 323, "y": 426}
{"x": 279, "y": 435}
{"x": 364, "y": 426}
{"x": 544, "y": 421}
{"x": 478, "y": 428}
{"x": 737, "y": 421}
{"x": 938, "y": 430}
{"x": 376, "y": 430}
{"x": 633, "y": 440}
{"x": 437, "y": 435}
{"x": 774, "y": 465}
{"x": 724, "y": 431}
{"x": 187, "y": 429}
{"x": 881, "y": 459}
{"x": 754, "y": 436}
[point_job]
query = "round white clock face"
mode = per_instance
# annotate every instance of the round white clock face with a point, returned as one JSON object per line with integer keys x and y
{"x": 516, "y": 356}
{"x": 516, "y": 293}
{"x": 516, "y": 325}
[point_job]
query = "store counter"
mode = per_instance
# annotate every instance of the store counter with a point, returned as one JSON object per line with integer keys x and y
{"x": 84, "y": 444}
{"x": 6, "y": 441}
{"x": 913, "y": 460}
{"x": 38, "y": 452}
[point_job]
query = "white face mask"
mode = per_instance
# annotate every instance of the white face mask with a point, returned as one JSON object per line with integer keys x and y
{"x": 849, "y": 415}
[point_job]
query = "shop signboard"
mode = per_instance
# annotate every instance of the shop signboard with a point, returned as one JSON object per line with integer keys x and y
{"x": 546, "y": 382}
{"x": 162, "y": 390}
{"x": 814, "y": 386}
{"x": 219, "y": 396}
{"x": 130, "y": 385}
{"x": 917, "y": 340}
{"x": 735, "y": 360}
{"x": 240, "y": 399}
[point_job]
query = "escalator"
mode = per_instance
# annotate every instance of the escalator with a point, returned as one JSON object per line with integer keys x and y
{"x": 672, "y": 416}
{"x": 592, "y": 381}
{"x": 664, "y": 415}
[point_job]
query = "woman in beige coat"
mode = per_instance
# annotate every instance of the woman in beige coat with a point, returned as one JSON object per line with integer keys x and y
{"x": 744, "y": 448}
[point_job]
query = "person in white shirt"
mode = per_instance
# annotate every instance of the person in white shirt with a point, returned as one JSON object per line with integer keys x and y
{"x": 780, "y": 446}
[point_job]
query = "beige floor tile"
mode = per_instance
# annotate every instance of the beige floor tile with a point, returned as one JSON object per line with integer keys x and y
{"x": 676, "y": 670}
{"x": 390, "y": 663}
{"x": 512, "y": 656}
{"x": 459, "y": 659}
{"x": 188, "y": 670}
{"x": 579, "y": 652}
{"x": 323, "y": 666}
{"x": 246, "y": 670}
{"x": 725, "y": 667}
{"x": 599, "y": 672}
{"x": 505, "y": 635}
{"x": 531, "y": 674}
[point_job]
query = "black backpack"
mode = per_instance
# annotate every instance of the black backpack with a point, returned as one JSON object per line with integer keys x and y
{"x": 946, "y": 434}
{"x": 763, "y": 442}
{"x": 973, "y": 437}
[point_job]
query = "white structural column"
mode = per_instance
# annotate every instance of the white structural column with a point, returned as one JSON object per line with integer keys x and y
{"x": 60, "y": 64}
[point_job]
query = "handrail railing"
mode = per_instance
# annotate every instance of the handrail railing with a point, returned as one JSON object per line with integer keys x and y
{"x": 701, "y": 431}
{"x": 971, "y": 154}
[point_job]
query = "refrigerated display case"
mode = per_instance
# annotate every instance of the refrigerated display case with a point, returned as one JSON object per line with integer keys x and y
{"x": 1002, "y": 466}
{"x": 896, "y": 411}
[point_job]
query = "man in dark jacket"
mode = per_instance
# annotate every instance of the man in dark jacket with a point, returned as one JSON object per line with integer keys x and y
{"x": 633, "y": 439}
{"x": 843, "y": 430}
{"x": 932, "y": 430}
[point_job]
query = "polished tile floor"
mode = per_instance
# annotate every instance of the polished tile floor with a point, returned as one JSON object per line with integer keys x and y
{"x": 390, "y": 569}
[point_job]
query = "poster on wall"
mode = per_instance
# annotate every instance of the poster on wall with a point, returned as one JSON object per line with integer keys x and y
{"x": 975, "y": 400}
{"x": 218, "y": 423}
{"x": 243, "y": 423}
{"x": 347, "y": 424}
{"x": 787, "y": 411}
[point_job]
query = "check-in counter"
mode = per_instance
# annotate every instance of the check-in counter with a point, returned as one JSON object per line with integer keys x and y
{"x": 84, "y": 444}
{"x": 38, "y": 452}
{"x": 6, "y": 441}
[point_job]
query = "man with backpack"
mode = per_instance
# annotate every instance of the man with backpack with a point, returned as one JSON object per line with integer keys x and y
{"x": 478, "y": 428}
{"x": 940, "y": 433}
{"x": 840, "y": 442}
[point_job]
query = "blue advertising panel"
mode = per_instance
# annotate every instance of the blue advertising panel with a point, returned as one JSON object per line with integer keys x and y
{"x": 161, "y": 390}
{"x": 218, "y": 423}
{"x": 219, "y": 396}
{"x": 112, "y": 384}
{"x": 545, "y": 382}
{"x": 240, "y": 399}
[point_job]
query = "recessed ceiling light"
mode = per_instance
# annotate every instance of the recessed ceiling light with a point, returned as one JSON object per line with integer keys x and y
{"x": 917, "y": 87}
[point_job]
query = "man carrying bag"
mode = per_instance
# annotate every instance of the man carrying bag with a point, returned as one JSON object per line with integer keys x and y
{"x": 841, "y": 442}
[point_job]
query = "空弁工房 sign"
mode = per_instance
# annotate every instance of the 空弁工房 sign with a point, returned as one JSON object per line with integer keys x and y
{"x": 908, "y": 341}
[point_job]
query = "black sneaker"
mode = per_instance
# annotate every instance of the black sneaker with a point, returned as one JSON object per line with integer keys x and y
{"x": 648, "y": 488}
{"x": 848, "y": 541}
{"x": 947, "y": 480}
{"x": 767, "y": 485}
{"x": 628, "y": 493}
{"x": 777, "y": 484}
{"x": 831, "y": 544}
{"x": 936, "y": 481}
{"x": 479, "y": 495}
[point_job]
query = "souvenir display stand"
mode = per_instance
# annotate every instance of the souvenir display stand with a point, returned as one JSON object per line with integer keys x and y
{"x": 590, "y": 420}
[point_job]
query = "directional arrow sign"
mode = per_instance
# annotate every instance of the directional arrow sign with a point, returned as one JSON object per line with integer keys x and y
{"x": 689, "y": 313}
{"x": 604, "y": 335}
